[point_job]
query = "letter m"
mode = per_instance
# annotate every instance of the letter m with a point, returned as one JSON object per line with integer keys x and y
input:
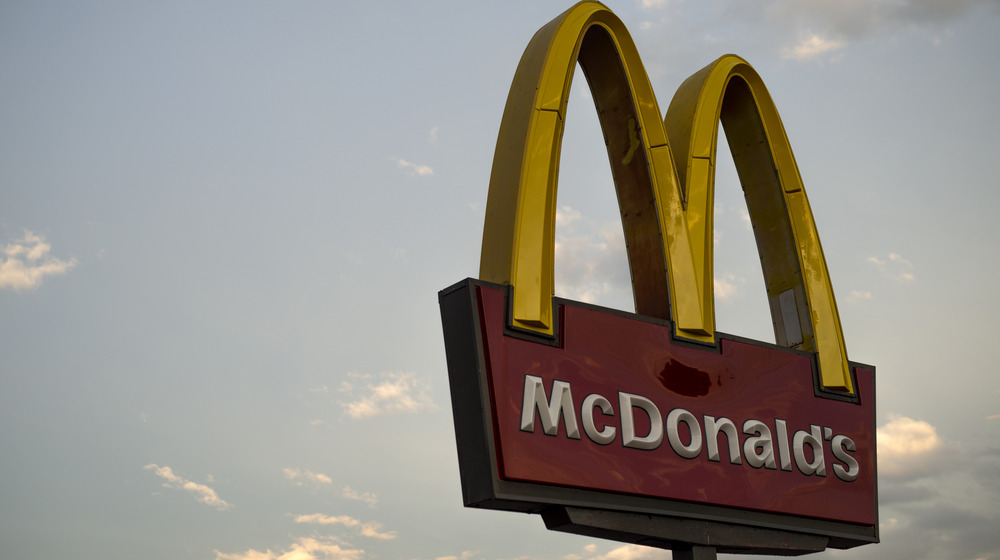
{"x": 549, "y": 410}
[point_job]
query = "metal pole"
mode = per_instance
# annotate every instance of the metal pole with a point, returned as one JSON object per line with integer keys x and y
{"x": 695, "y": 552}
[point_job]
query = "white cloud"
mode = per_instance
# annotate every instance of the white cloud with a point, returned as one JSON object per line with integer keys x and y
{"x": 906, "y": 446}
{"x": 25, "y": 262}
{"x": 305, "y": 548}
{"x": 623, "y": 552}
{"x": 746, "y": 219}
{"x": 822, "y": 28}
{"x": 590, "y": 259}
{"x": 812, "y": 47}
{"x": 633, "y": 552}
{"x": 860, "y": 18}
{"x": 903, "y": 268}
{"x": 432, "y": 135}
{"x": 727, "y": 287}
{"x": 465, "y": 555}
{"x": 370, "y": 529}
{"x": 300, "y": 476}
{"x": 204, "y": 494}
{"x": 937, "y": 498}
{"x": 413, "y": 168}
{"x": 397, "y": 392}
{"x": 857, "y": 295}
{"x": 895, "y": 267}
{"x": 566, "y": 216}
{"x": 366, "y": 497}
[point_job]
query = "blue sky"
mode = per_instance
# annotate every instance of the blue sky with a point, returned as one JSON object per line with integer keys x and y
{"x": 223, "y": 227}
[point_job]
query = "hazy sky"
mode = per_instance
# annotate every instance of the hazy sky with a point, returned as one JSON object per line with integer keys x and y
{"x": 223, "y": 227}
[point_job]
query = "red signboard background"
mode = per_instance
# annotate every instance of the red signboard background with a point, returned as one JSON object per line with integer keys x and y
{"x": 606, "y": 353}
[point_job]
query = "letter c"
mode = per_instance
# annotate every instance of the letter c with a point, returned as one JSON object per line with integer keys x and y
{"x": 602, "y": 437}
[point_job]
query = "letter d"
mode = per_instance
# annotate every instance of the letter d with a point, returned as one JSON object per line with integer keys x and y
{"x": 814, "y": 439}
{"x": 628, "y": 403}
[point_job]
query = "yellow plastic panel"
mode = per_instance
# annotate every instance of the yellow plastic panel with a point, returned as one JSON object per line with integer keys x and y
{"x": 519, "y": 234}
{"x": 693, "y": 121}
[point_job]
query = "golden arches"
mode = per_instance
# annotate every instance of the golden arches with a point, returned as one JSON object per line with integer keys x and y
{"x": 666, "y": 212}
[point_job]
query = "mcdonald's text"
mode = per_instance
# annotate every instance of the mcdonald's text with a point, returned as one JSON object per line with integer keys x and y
{"x": 686, "y": 434}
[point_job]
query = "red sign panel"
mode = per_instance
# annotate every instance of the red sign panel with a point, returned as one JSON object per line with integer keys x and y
{"x": 737, "y": 426}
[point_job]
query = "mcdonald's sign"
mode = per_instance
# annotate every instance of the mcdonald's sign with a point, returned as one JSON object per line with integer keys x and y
{"x": 651, "y": 427}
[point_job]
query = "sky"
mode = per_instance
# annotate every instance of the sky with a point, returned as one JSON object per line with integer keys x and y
{"x": 223, "y": 227}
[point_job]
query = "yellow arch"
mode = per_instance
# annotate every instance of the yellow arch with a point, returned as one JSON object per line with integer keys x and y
{"x": 666, "y": 212}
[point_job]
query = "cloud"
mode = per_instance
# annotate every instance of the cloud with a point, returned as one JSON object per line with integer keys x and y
{"x": 822, "y": 28}
{"x": 465, "y": 555}
{"x": 25, "y": 262}
{"x": 623, "y": 552}
{"x": 590, "y": 258}
{"x": 370, "y": 530}
{"x": 857, "y": 295}
{"x": 937, "y": 498}
{"x": 205, "y": 494}
{"x": 812, "y": 47}
{"x": 300, "y": 476}
{"x": 366, "y": 497}
{"x": 632, "y": 552}
{"x": 566, "y": 216}
{"x": 727, "y": 287}
{"x": 857, "y": 19}
{"x": 949, "y": 511}
{"x": 895, "y": 267}
{"x": 432, "y": 135}
{"x": 413, "y": 168}
{"x": 305, "y": 548}
{"x": 907, "y": 447}
{"x": 398, "y": 392}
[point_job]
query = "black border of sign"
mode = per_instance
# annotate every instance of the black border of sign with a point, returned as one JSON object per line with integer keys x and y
{"x": 595, "y": 513}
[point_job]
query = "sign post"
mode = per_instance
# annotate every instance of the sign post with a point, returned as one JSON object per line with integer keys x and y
{"x": 652, "y": 427}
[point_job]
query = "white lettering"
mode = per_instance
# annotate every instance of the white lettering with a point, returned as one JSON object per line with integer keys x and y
{"x": 549, "y": 411}
{"x": 692, "y": 449}
{"x": 760, "y": 449}
{"x": 602, "y": 437}
{"x": 841, "y": 445}
{"x": 762, "y": 441}
{"x": 726, "y": 426}
{"x": 784, "y": 452}
{"x": 812, "y": 438}
{"x": 628, "y": 403}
